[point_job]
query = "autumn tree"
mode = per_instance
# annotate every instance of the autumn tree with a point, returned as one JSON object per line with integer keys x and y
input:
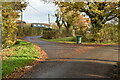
{"x": 67, "y": 15}
{"x": 9, "y": 15}
{"x": 99, "y": 12}
{"x": 82, "y": 22}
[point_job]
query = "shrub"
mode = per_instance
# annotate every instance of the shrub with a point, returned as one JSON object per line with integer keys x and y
{"x": 27, "y": 30}
{"x": 51, "y": 34}
{"x": 107, "y": 34}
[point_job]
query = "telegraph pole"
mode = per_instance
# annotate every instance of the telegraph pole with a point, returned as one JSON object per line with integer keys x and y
{"x": 49, "y": 19}
{"x": 21, "y": 17}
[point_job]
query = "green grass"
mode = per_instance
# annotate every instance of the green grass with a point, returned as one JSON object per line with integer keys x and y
{"x": 64, "y": 40}
{"x": 24, "y": 53}
{"x": 71, "y": 40}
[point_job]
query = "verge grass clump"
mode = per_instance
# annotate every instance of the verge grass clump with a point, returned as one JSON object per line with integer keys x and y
{"x": 22, "y": 53}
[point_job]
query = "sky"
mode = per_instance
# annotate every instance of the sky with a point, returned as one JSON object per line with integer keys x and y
{"x": 40, "y": 13}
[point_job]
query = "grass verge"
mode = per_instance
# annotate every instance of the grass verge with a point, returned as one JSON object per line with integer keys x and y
{"x": 19, "y": 55}
{"x": 71, "y": 40}
{"x": 64, "y": 40}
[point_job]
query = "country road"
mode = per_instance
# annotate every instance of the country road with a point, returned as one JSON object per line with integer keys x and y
{"x": 73, "y": 60}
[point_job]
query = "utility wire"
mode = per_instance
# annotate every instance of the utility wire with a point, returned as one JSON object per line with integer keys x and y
{"x": 33, "y": 8}
{"x": 27, "y": 2}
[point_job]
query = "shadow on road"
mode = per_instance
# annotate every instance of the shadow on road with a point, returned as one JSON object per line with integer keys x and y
{"x": 63, "y": 68}
{"x": 80, "y": 59}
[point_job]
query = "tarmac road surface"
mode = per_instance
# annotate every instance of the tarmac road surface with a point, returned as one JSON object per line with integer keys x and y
{"x": 73, "y": 60}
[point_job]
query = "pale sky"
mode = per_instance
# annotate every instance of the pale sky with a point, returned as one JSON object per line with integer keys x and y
{"x": 40, "y": 15}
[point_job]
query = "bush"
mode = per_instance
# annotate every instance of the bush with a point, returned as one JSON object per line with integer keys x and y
{"x": 27, "y": 30}
{"x": 8, "y": 31}
{"x": 53, "y": 34}
{"x": 107, "y": 34}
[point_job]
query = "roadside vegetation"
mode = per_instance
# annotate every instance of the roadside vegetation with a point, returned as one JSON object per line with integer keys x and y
{"x": 108, "y": 34}
{"x": 16, "y": 53}
{"x": 27, "y": 30}
{"x": 17, "y": 56}
{"x": 72, "y": 40}
{"x": 101, "y": 25}
{"x": 10, "y": 13}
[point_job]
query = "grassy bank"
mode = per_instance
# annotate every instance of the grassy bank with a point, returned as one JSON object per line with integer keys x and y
{"x": 18, "y": 56}
{"x": 71, "y": 40}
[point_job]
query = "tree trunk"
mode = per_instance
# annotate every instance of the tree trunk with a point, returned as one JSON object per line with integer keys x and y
{"x": 73, "y": 33}
{"x": 67, "y": 32}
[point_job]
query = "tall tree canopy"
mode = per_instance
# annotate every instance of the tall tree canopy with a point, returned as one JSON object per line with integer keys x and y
{"x": 66, "y": 14}
{"x": 98, "y": 12}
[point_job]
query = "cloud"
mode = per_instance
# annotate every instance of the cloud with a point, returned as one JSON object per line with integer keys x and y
{"x": 40, "y": 13}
